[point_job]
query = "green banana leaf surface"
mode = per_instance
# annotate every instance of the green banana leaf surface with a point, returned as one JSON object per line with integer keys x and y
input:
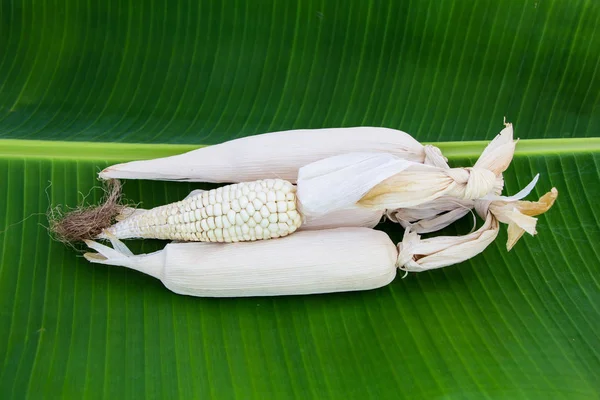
{"x": 86, "y": 84}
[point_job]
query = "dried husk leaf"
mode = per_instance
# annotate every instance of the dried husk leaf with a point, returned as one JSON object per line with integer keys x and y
{"x": 519, "y": 215}
{"x": 339, "y": 182}
{"x": 498, "y": 154}
{"x": 310, "y": 262}
{"x": 417, "y": 255}
{"x": 274, "y": 155}
{"x": 423, "y": 184}
{"x": 384, "y": 182}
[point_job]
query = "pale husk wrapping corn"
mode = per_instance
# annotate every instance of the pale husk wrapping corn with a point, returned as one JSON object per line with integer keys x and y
{"x": 310, "y": 262}
{"x": 382, "y": 181}
{"x": 274, "y": 155}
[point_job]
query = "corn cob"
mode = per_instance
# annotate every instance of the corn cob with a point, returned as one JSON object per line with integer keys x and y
{"x": 333, "y": 260}
{"x": 247, "y": 211}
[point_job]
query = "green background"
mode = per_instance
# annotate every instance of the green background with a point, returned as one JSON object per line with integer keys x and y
{"x": 155, "y": 73}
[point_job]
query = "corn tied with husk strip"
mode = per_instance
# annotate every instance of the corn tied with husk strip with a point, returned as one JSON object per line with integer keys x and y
{"x": 414, "y": 187}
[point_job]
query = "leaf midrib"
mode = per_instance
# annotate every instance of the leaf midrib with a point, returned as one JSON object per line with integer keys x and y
{"x": 110, "y": 151}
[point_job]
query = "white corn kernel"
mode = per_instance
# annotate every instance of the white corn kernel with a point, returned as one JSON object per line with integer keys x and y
{"x": 262, "y": 197}
{"x": 244, "y": 215}
{"x": 204, "y": 225}
{"x": 231, "y": 217}
{"x": 226, "y": 206}
{"x": 211, "y": 223}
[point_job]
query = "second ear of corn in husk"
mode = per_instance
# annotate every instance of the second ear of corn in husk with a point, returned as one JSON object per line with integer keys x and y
{"x": 274, "y": 155}
{"x": 310, "y": 262}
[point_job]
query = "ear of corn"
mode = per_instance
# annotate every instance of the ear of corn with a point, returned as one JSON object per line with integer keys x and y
{"x": 309, "y": 262}
{"x": 250, "y": 211}
{"x": 274, "y": 155}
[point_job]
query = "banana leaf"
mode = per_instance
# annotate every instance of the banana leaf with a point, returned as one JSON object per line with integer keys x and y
{"x": 87, "y": 84}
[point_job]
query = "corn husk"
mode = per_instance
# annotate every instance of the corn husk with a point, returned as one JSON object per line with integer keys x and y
{"x": 310, "y": 262}
{"x": 273, "y": 155}
{"x": 433, "y": 216}
{"x": 519, "y": 215}
{"x": 385, "y": 182}
{"x": 440, "y": 213}
{"x": 350, "y": 217}
{"x": 417, "y": 255}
